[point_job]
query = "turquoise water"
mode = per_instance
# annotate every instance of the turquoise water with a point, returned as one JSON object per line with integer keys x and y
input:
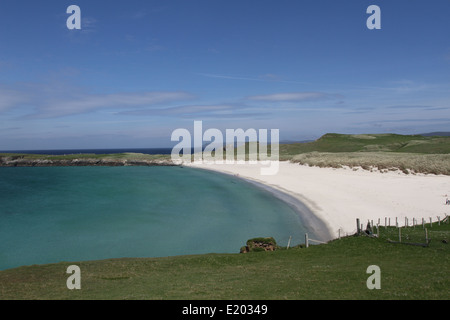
{"x": 56, "y": 214}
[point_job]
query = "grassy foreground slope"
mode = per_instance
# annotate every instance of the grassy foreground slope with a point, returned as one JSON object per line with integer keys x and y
{"x": 336, "y": 270}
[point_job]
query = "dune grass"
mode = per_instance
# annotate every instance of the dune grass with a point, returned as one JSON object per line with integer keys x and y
{"x": 381, "y": 161}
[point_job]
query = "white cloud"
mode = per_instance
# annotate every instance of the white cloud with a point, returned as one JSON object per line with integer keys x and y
{"x": 9, "y": 98}
{"x": 219, "y": 111}
{"x": 88, "y": 24}
{"x": 53, "y": 100}
{"x": 269, "y": 77}
{"x": 89, "y": 103}
{"x": 293, "y": 97}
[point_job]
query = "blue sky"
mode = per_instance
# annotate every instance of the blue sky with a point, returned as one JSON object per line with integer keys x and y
{"x": 138, "y": 70}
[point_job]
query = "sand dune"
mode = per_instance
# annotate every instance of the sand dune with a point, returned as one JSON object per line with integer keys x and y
{"x": 339, "y": 196}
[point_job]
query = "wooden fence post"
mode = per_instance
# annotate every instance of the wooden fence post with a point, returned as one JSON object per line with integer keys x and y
{"x": 306, "y": 240}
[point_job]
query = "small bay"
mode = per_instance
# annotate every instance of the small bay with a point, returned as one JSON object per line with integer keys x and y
{"x": 54, "y": 214}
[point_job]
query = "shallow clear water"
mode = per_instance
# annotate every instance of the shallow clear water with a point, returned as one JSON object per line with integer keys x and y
{"x": 55, "y": 214}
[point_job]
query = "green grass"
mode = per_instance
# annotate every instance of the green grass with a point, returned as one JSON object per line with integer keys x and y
{"x": 115, "y": 156}
{"x": 333, "y": 142}
{"x": 336, "y": 270}
{"x": 417, "y": 233}
{"x": 384, "y": 152}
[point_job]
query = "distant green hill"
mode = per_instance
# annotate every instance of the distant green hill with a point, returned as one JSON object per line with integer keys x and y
{"x": 440, "y": 133}
{"x": 333, "y": 142}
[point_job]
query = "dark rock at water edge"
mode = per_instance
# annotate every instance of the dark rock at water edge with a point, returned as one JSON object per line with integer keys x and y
{"x": 21, "y": 162}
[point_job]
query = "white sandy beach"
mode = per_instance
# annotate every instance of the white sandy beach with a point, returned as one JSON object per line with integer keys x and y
{"x": 339, "y": 196}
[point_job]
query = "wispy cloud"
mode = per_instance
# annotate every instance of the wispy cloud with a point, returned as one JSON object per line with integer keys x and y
{"x": 447, "y": 55}
{"x": 91, "y": 102}
{"x": 219, "y": 76}
{"x": 88, "y": 27}
{"x": 418, "y": 107}
{"x": 218, "y": 111}
{"x": 53, "y": 101}
{"x": 262, "y": 78}
{"x": 138, "y": 15}
{"x": 181, "y": 110}
{"x": 141, "y": 14}
{"x": 88, "y": 24}
{"x": 410, "y": 120}
{"x": 408, "y": 86}
{"x": 294, "y": 97}
{"x": 271, "y": 77}
{"x": 10, "y": 98}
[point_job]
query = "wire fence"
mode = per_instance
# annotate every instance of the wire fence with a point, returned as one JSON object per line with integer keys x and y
{"x": 419, "y": 232}
{"x": 412, "y": 232}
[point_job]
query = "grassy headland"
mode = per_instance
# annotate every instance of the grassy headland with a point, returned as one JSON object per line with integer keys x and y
{"x": 409, "y": 153}
{"x": 118, "y": 159}
{"x": 333, "y": 142}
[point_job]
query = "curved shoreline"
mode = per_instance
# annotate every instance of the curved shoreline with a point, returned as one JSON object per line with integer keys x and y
{"x": 336, "y": 198}
{"x": 310, "y": 221}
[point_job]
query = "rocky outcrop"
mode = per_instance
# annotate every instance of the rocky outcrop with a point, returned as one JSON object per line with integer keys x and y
{"x": 260, "y": 244}
{"x": 20, "y": 161}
